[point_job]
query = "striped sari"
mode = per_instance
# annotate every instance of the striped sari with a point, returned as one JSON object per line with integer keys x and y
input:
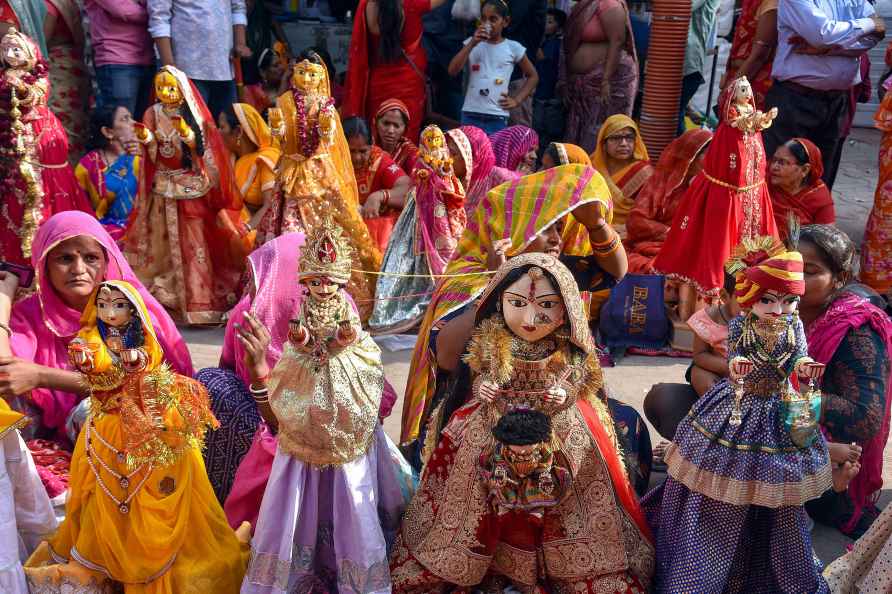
{"x": 519, "y": 210}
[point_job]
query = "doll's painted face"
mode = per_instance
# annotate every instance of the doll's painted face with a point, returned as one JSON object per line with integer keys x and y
{"x": 14, "y": 54}
{"x": 308, "y": 76}
{"x": 743, "y": 93}
{"x": 772, "y": 305}
{"x": 113, "y": 307}
{"x": 532, "y": 307}
{"x": 167, "y": 89}
{"x": 322, "y": 288}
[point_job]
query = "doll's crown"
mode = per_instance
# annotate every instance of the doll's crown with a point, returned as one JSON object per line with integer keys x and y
{"x": 327, "y": 253}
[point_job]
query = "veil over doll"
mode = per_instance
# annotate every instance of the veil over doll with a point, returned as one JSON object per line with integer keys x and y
{"x": 727, "y": 201}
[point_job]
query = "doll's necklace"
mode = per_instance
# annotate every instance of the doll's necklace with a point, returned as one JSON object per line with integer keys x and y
{"x": 532, "y": 351}
{"x": 308, "y": 136}
{"x": 760, "y": 339}
{"x": 324, "y": 315}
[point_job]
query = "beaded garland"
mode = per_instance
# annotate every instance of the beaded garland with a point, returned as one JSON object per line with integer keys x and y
{"x": 308, "y": 137}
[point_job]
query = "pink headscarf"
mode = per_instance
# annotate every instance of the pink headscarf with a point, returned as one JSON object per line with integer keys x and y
{"x": 512, "y": 144}
{"x": 43, "y": 324}
{"x": 276, "y": 300}
{"x": 482, "y": 175}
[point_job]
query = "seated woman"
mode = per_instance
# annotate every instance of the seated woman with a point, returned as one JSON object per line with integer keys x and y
{"x": 561, "y": 153}
{"x": 109, "y": 172}
{"x": 516, "y": 149}
{"x": 621, "y": 157}
{"x": 140, "y": 513}
{"x": 257, "y": 153}
{"x": 854, "y": 340}
{"x": 475, "y": 165}
{"x": 382, "y": 185}
{"x": 524, "y": 216}
{"x": 795, "y": 185}
{"x": 478, "y": 519}
{"x": 72, "y": 254}
{"x": 272, "y": 64}
{"x": 649, "y": 220}
{"x": 391, "y": 123}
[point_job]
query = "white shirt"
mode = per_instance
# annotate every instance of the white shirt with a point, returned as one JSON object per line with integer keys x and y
{"x": 490, "y": 66}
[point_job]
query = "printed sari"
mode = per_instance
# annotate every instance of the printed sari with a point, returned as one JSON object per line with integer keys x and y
{"x": 481, "y": 172}
{"x": 812, "y": 204}
{"x": 112, "y": 188}
{"x": 379, "y": 173}
{"x": 743, "y": 45}
{"x": 587, "y": 112}
{"x": 518, "y": 211}
{"x": 69, "y": 79}
{"x": 876, "y": 251}
{"x": 512, "y": 144}
{"x": 649, "y": 221}
{"x": 255, "y": 172}
{"x": 405, "y": 153}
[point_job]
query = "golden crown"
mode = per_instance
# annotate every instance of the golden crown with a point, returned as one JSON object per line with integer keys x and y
{"x": 327, "y": 252}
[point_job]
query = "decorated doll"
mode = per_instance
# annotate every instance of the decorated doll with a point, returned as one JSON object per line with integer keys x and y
{"x": 141, "y": 511}
{"x": 186, "y": 242}
{"x": 750, "y": 454}
{"x": 727, "y": 201}
{"x": 333, "y": 473}
{"x": 525, "y": 488}
{"x": 424, "y": 238}
{"x": 35, "y": 178}
{"x": 315, "y": 173}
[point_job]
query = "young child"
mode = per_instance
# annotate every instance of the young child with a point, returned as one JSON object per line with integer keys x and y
{"x": 548, "y": 111}
{"x": 492, "y": 59}
{"x": 710, "y": 327}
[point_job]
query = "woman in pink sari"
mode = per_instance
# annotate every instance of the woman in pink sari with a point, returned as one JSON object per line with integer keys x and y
{"x": 516, "y": 149}
{"x": 474, "y": 163}
{"x": 72, "y": 254}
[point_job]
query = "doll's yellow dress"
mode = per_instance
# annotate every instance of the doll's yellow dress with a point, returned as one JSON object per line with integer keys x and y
{"x": 141, "y": 511}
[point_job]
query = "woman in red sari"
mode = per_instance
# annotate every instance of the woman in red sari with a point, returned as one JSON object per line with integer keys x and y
{"x": 649, "y": 221}
{"x": 391, "y": 124}
{"x": 796, "y": 187}
{"x": 33, "y": 194}
{"x": 752, "y": 51}
{"x": 387, "y": 59}
{"x": 727, "y": 201}
{"x": 382, "y": 185}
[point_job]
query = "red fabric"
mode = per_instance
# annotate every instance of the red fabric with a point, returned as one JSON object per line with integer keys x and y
{"x": 7, "y": 14}
{"x": 648, "y": 223}
{"x": 716, "y": 216}
{"x": 370, "y": 82}
{"x": 811, "y": 205}
{"x": 742, "y": 47}
{"x": 53, "y": 464}
{"x": 384, "y": 174}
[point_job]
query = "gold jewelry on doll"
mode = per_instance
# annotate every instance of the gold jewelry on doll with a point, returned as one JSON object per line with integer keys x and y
{"x": 327, "y": 253}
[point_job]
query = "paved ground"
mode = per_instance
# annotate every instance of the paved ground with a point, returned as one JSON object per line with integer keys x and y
{"x": 853, "y": 194}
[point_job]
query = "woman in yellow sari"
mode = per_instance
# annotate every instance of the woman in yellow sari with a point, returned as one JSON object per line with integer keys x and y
{"x": 622, "y": 159}
{"x": 517, "y": 217}
{"x": 315, "y": 173}
{"x": 141, "y": 513}
{"x": 563, "y": 153}
{"x": 257, "y": 153}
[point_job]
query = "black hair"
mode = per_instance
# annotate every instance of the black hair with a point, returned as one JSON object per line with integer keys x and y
{"x": 323, "y": 55}
{"x": 187, "y": 116}
{"x": 403, "y": 117}
{"x": 356, "y": 126}
{"x": 552, "y": 151}
{"x": 100, "y": 117}
{"x": 500, "y": 6}
{"x": 229, "y": 115}
{"x": 133, "y": 336}
{"x": 730, "y": 283}
{"x": 266, "y": 59}
{"x": 492, "y": 304}
{"x": 390, "y": 24}
{"x": 312, "y": 55}
{"x": 523, "y": 427}
{"x": 559, "y": 16}
{"x": 800, "y": 153}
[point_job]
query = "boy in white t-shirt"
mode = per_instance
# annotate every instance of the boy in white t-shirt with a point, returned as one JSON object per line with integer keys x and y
{"x": 492, "y": 58}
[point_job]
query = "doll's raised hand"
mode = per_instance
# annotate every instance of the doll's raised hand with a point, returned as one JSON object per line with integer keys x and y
{"x": 346, "y": 333}
{"x": 810, "y": 370}
{"x": 740, "y": 367}
{"x": 556, "y": 395}
{"x": 299, "y": 336}
{"x": 487, "y": 390}
{"x": 182, "y": 128}
{"x": 327, "y": 121}
{"x": 142, "y": 133}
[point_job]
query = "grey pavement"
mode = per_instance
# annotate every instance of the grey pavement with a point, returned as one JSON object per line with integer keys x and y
{"x": 633, "y": 376}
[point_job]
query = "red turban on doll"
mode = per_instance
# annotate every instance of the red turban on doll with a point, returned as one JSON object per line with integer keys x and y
{"x": 762, "y": 264}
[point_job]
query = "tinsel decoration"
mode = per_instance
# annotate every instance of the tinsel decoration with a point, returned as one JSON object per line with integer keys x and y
{"x": 31, "y": 217}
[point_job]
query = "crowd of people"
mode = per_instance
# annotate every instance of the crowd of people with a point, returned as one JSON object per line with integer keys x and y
{"x": 476, "y": 178}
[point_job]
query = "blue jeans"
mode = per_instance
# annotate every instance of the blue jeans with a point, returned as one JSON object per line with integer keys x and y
{"x": 488, "y": 123}
{"x": 217, "y": 94}
{"x": 124, "y": 84}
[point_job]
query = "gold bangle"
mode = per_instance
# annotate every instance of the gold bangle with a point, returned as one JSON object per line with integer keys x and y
{"x": 606, "y": 252}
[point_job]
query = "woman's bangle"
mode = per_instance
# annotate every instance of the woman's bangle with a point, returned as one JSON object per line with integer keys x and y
{"x": 603, "y": 244}
{"x": 5, "y": 327}
{"x": 386, "y": 199}
{"x": 258, "y": 391}
{"x": 604, "y": 252}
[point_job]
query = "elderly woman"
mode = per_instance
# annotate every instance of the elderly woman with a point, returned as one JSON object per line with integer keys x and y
{"x": 391, "y": 124}
{"x": 72, "y": 254}
{"x": 649, "y": 220}
{"x": 796, "y": 188}
{"x": 853, "y": 338}
{"x": 601, "y": 77}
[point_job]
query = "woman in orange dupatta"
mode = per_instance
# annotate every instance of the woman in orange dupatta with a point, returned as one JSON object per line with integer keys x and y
{"x": 876, "y": 251}
{"x": 649, "y": 221}
{"x": 796, "y": 188}
{"x": 69, "y": 81}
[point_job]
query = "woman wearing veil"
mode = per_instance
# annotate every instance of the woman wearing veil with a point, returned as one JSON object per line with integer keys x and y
{"x": 185, "y": 237}
{"x": 504, "y": 509}
{"x": 315, "y": 173}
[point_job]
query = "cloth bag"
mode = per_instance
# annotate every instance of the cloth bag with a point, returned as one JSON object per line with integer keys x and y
{"x": 635, "y": 314}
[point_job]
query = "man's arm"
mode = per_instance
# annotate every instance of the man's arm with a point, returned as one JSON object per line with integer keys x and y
{"x": 239, "y": 25}
{"x": 159, "y": 28}
{"x": 819, "y": 30}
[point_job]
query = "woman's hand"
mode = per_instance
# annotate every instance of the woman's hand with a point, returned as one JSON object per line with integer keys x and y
{"x": 497, "y": 254}
{"x": 254, "y": 337}
{"x": 372, "y": 206}
{"x": 507, "y": 102}
{"x": 18, "y": 376}
{"x": 591, "y": 215}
